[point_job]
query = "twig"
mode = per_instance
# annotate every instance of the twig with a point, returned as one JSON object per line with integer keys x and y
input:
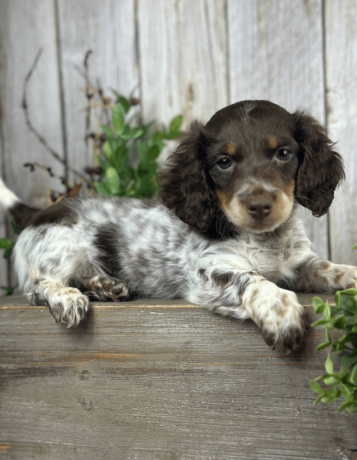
{"x": 29, "y": 123}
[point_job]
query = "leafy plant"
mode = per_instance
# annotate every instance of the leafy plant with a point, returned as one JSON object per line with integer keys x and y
{"x": 341, "y": 318}
{"x": 125, "y": 140}
{"x": 8, "y": 245}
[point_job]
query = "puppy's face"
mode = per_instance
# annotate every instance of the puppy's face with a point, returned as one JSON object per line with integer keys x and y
{"x": 253, "y": 161}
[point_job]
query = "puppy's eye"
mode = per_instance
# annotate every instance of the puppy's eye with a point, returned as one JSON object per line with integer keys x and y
{"x": 224, "y": 163}
{"x": 283, "y": 155}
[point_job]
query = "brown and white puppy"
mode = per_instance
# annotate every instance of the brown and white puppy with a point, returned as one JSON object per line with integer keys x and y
{"x": 226, "y": 237}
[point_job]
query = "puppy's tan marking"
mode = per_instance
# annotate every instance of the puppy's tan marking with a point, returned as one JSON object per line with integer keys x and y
{"x": 282, "y": 207}
{"x": 230, "y": 149}
{"x": 273, "y": 142}
{"x": 224, "y": 200}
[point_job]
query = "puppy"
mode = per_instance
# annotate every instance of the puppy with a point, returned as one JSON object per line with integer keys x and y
{"x": 226, "y": 235}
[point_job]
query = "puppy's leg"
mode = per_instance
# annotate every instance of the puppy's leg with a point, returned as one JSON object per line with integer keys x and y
{"x": 102, "y": 288}
{"x": 66, "y": 304}
{"x": 250, "y": 296}
{"x": 322, "y": 276}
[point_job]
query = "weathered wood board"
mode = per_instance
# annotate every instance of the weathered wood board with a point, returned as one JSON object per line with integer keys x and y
{"x": 107, "y": 28}
{"x": 183, "y": 60}
{"x": 341, "y": 58}
{"x": 276, "y": 54}
{"x": 159, "y": 380}
{"x": 25, "y": 28}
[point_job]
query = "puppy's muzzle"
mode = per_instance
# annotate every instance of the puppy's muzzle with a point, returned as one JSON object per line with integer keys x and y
{"x": 259, "y": 204}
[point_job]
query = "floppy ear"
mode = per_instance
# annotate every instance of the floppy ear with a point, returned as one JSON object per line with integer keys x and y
{"x": 186, "y": 186}
{"x": 321, "y": 169}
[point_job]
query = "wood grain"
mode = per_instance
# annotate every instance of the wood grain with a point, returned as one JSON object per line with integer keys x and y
{"x": 183, "y": 62}
{"x": 108, "y": 29}
{"x": 25, "y": 28}
{"x": 341, "y": 70}
{"x": 159, "y": 380}
{"x": 276, "y": 54}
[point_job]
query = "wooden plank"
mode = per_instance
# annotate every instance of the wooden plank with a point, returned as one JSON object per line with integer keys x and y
{"x": 276, "y": 53}
{"x": 25, "y": 27}
{"x": 341, "y": 73}
{"x": 171, "y": 380}
{"x": 183, "y": 66}
{"x": 108, "y": 29}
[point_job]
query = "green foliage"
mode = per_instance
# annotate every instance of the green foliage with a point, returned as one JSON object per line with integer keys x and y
{"x": 128, "y": 139}
{"x": 341, "y": 318}
{"x": 7, "y": 246}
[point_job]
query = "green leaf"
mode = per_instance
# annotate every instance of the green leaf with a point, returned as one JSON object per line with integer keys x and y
{"x": 344, "y": 405}
{"x": 352, "y": 409}
{"x": 108, "y": 153}
{"x": 121, "y": 158}
{"x": 125, "y": 103}
{"x": 339, "y": 322}
{"x": 355, "y": 246}
{"x": 323, "y": 345}
{"x": 173, "y": 134}
{"x": 112, "y": 180}
{"x": 143, "y": 151}
{"x": 329, "y": 399}
{"x": 327, "y": 336}
{"x": 175, "y": 124}
{"x": 345, "y": 391}
{"x": 331, "y": 381}
{"x": 6, "y": 244}
{"x": 321, "y": 377}
{"x": 154, "y": 152}
{"x": 101, "y": 188}
{"x": 137, "y": 133}
{"x": 318, "y": 399}
{"x": 15, "y": 228}
{"x": 320, "y": 322}
{"x": 318, "y": 305}
{"x": 354, "y": 374}
{"x": 327, "y": 311}
{"x": 348, "y": 304}
{"x": 7, "y": 253}
{"x": 8, "y": 290}
{"x": 159, "y": 135}
{"x": 349, "y": 360}
{"x": 118, "y": 118}
{"x": 352, "y": 291}
{"x": 316, "y": 387}
{"x": 107, "y": 131}
{"x": 338, "y": 300}
{"x": 329, "y": 365}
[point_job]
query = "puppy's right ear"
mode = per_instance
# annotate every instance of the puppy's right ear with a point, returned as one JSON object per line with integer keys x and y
{"x": 186, "y": 187}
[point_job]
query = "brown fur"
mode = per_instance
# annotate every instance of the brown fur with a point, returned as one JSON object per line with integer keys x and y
{"x": 60, "y": 213}
{"x": 195, "y": 187}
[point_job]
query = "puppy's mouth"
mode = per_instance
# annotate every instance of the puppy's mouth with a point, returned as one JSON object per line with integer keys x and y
{"x": 259, "y": 211}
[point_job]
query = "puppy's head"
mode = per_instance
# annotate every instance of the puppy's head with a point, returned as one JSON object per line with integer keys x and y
{"x": 252, "y": 160}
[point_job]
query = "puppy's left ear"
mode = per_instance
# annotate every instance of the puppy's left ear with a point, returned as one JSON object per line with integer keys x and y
{"x": 186, "y": 187}
{"x": 321, "y": 169}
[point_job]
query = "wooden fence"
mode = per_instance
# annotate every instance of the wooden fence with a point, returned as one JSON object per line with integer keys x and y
{"x": 182, "y": 56}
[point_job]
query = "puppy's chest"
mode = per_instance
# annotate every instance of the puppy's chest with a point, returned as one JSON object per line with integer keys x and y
{"x": 274, "y": 257}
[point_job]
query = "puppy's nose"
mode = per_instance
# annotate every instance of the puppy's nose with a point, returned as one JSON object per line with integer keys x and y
{"x": 259, "y": 206}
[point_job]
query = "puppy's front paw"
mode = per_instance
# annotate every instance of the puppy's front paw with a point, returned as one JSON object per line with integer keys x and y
{"x": 349, "y": 276}
{"x": 69, "y": 306}
{"x": 286, "y": 324}
{"x": 279, "y": 315}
